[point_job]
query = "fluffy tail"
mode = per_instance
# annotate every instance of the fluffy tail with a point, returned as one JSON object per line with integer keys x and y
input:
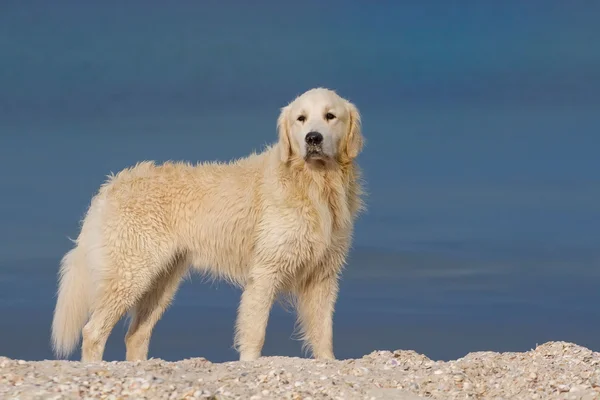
{"x": 73, "y": 303}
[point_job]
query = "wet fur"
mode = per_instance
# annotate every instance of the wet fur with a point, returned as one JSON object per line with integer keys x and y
{"x": 271, "y": 223}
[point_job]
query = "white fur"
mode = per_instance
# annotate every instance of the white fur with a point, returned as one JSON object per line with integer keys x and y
{"x": 275, "y": 223}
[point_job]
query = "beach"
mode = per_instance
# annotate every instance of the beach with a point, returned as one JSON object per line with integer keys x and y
{"x": 480, "y": 171}
{"x": 554, "y": 370}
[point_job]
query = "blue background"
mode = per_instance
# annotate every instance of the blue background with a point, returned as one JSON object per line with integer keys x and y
{"x": 482, "y": 124}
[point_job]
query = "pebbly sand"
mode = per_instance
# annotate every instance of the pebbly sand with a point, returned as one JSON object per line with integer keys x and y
{"x": 555, "y": 370}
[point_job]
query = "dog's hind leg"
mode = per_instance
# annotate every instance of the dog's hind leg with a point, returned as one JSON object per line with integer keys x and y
{"x": 151, "y": 307}
{"x": 117, "y": 292}
{"x": 108, "y": 309}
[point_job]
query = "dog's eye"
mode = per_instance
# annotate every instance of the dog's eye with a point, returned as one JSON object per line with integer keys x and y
{"x": 302, "y": 118}
{"x": 329, "y": 116}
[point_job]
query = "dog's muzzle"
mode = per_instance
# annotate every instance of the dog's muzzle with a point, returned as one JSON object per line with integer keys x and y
{"x": 314, "y": 139}
{"x": 314, "y": 145}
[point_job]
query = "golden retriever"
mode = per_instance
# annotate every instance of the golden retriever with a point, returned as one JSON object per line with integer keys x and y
{"x": 275, "y": 223}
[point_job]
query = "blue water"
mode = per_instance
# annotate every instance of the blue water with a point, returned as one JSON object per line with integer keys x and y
{"x": 482, "y": 124}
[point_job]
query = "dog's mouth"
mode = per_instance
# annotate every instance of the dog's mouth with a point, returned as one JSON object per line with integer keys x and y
{"x": 315, "y": 156}
{"x": 315, "y": 153}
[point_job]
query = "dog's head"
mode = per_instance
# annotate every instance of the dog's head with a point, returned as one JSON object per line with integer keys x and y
{"x": 320, "y": 127}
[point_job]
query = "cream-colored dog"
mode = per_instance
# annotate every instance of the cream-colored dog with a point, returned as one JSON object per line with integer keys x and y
{"x": 278, "y": 222}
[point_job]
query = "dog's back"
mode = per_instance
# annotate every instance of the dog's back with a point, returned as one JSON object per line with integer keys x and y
{"x": 278, "y": 221}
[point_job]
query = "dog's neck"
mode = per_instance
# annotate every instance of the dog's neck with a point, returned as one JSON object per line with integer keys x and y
{"x": 331, "y": 177}
{"x": 317, "y": 170}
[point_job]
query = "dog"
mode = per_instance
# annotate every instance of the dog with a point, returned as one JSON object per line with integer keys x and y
{"x": 278, "y": 222}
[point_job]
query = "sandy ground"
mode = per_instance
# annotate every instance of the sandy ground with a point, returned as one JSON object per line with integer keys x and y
{"x": 555, "y": 370}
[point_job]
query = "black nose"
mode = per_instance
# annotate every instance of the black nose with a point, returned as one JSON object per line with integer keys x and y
{"x": 314, "y": 138}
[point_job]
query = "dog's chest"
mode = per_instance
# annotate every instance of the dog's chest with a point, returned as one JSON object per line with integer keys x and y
{"x": 327, "y": 210}
{"x": 319, "y": 223}
{"x": 301, "y": 228}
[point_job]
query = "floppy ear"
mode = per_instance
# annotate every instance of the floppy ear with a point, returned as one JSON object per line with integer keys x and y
{"x": 354, "y": 138}
{"x": 285, "y": 147}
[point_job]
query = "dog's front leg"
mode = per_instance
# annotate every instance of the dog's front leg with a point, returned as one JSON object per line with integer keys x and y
{"x": 253, "y": 314}
{"x": 316, "y": 301}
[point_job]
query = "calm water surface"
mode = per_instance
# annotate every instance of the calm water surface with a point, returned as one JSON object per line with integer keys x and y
{"x": 481, "y": 162}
